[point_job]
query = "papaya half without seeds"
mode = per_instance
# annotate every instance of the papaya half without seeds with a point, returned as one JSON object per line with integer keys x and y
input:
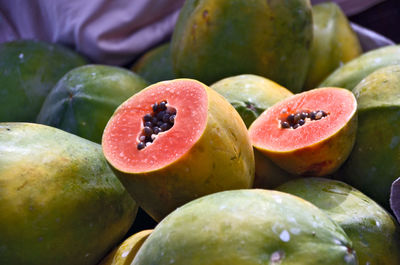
{"x": 214, "y": 39}
{"x": 310, "y": 133}
{"x": 247, "y": 227}
{"x": 175, "y": 141}
{"x": 60, "y": 202}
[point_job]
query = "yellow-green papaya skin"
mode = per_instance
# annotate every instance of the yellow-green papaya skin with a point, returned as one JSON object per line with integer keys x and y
{"x": 221, "y": 159}
{"x": 85, "y": 98}
{"x": 156, "y": 64}
{"x": 334, "y": 43}
{"x": 374, "y": 162}
{"x": 250, "y": 94}
{"x": 126, "y": 251}
{"x": 351, "y": 73}
{"x": 28, "y": 71}
{"x": 374, "y": 232}
{"x": 214, "y": 39}
{"x": 60, "y": 202}
{"x": 247, "y": 227}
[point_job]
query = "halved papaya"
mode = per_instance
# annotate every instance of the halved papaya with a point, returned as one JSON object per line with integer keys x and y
{"x": 311, "y": 133}
{"x": 175, "y": 141}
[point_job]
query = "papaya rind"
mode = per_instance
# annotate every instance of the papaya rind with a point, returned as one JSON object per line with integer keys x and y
{"x": 374, "y": 232}
{"x": 221, "y": 159}
{"x": 247, "y": 227}
{"x": 351, "y": 73}
{"x": 60, "y": 201}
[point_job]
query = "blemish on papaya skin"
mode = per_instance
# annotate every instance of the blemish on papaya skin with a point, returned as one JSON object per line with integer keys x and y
{"x": 205, "y": 13}
{"x": 317, "y": 167}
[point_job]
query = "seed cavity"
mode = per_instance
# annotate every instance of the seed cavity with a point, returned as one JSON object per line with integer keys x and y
{"x": 161, "y": 119}
{"x": 295, "y": 120}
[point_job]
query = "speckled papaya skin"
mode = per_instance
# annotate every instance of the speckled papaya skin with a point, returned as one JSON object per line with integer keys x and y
{"x": 221, "y": 159}
{"x": 375, "y": 160}
{"x": 214, "y": 39}
{"x": 334, "y": 43}
{"x": 28, "y": 71}
{"x": 250, "y": 94}
{"x": 247, "y": 227}
{"x": 350, "y": 74}
{"x": 156, "y": 64}
{"x": 374, "y": 232}
{"x": 85, "y": 98}
{"x": 60, "y": 202}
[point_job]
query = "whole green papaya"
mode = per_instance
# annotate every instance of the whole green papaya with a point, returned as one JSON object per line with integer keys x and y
{"x": 374, "y": 232}
{"x": 247, "y": 227}
{"x": 374, "y": 162}
{"x": 60, "y": 202}
{"x": 85, "y": 98}
{"x": 28, "y": 70}
{"x": 214, "y": 39}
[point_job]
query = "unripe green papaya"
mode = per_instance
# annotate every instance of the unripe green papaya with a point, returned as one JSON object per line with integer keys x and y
{"x": 334, "y": 43}
{"x": 60, "y": 202}
{"x": 247, "y": 227}
{"x": 351, "y": 73}
{"x": 155, "y": 65}
{"x": 214, "y": 39}
{"x": 374, "y": 162}
{"x": 374, "y": 232}
{"x": 28, "y": 70}
{"x": 85, "y": 98}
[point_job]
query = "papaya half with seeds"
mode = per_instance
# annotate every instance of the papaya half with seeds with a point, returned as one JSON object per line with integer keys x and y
{"x": 60, "y": 202}
{"x": 250, "y": 94}
{"x": 247, "y": 227}
{"x": 28, "y": 71}
{"x": 311, "y": 133}
{"x": 155, "y": 65}
{"x": 215, "y": 39}
{"x": 175, "y": 141}
{"x": 351, "y": 73}
{"x": 374, "y": 232}
{"x": 334, "y": 43}
{"x": 374, "y": 162}
{"x": 85, "y": 98}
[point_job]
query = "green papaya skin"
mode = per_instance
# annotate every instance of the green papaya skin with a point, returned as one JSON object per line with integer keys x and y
{"x": 214, "y": 39}
{"x": 334, "y": 43}
{"x": 247, "y": 227}
{"x": 156, "y": 64}
{"x": 250, "y": 94}
{"x": 374, "y": 232}
{"x": 85, "y": 98}
{"x": 28, "y": 71}
{"x": 60, "y": 202}
{"x": 374, "y": 162}
{"x": 351, "y": 73}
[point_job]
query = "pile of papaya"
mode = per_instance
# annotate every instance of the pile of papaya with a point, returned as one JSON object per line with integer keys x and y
{"x": 260, "y": 133}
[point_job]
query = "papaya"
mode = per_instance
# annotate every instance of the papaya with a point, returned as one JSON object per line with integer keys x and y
{"x": 215, "y": 39}
{"x": 334, "y": 43}
{"x": 250, "y": 94}
{"x": 155, "y": 65}
{"x": 247, "y": 227}
{"x": 175, "y": 141}
{"x": 60, "y": 202}
{"x": 310, "y": 133}
{"x": 351, "y": 73}
{"x": 126, "y": 251}
{"x": 85, "y": 98}
{"x": 374, "y": 162}
{"x": 374, "y": 232}
{"x": 28, "y": 70}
